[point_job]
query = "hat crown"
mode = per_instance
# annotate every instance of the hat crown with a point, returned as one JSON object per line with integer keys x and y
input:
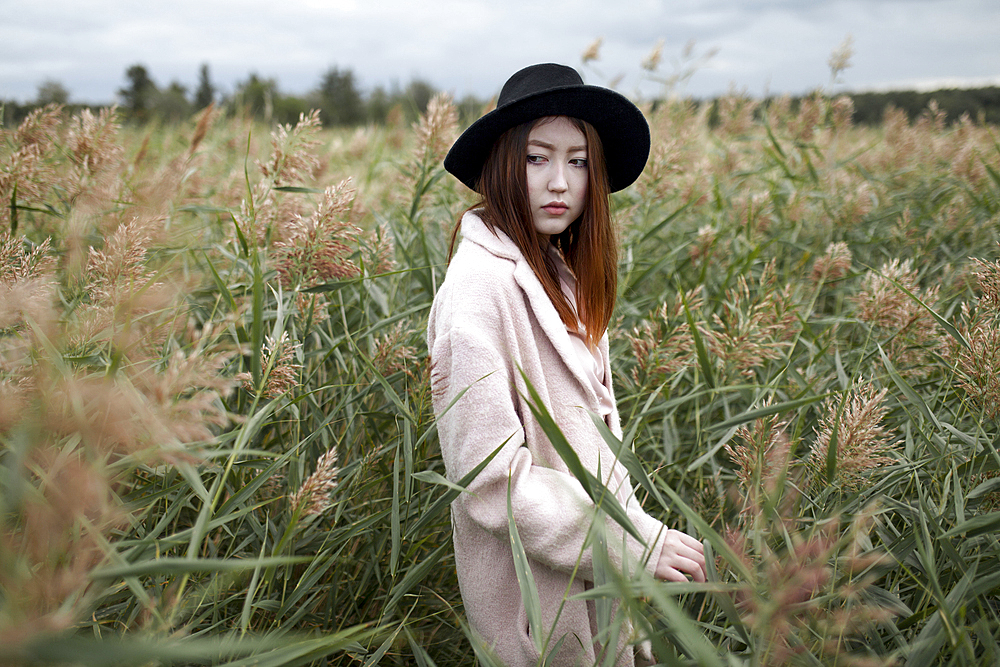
{"x": 537, "y": 79}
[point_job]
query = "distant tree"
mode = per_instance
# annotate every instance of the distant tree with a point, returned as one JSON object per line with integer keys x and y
{"x": 419, "y": 94}
{"x": 470, "y": 108}
{"x": 378, "y": 105}
{"x": 172, "y": 103}
{"x": 205, "y": 94}
{"x": 137, "y": 97}
{"x": 339, "y": 99}
{"x": 288, "y": 108}
{"x": 51, "y": 92}
{"x": 257, "y": 96}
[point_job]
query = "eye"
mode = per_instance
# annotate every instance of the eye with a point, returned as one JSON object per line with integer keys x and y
{"x": 536, "y": 159}
{"x": 579, "y": 162}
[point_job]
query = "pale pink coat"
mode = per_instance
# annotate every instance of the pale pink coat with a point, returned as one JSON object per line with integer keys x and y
{"x": 490, "y": 316}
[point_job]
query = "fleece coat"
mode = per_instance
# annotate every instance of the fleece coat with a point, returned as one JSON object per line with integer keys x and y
{"x": 490, "y": 318}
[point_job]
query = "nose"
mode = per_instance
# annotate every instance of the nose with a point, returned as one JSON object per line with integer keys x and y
{"x": 557, "y": 181}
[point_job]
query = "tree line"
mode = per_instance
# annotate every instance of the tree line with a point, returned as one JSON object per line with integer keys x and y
{"x": 337, "y": 95}
{"x": 981, "y": 104}
{"x": 341, "y": 101}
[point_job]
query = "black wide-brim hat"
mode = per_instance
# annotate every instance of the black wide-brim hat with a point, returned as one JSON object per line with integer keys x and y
{"x": 557, "y": 90}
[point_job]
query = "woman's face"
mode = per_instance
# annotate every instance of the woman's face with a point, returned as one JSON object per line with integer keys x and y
{"x": 557, "y": 174}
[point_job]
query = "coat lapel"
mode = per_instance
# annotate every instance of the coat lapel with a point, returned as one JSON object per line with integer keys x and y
{"x": 474, "y": 229}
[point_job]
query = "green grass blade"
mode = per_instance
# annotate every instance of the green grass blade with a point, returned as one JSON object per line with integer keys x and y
{"x": 525, "y": 579}
{"x": 598, "y": 493}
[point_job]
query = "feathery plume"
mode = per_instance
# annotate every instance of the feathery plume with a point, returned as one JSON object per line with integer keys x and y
{"x": 840, "y": 59}
{"x": 283, "y": 375}
{"x": 437, "y": 129}
{"x": 701, "y": 249}
{"x": 390, "y": 352}
{"x": 319, "y": 249}
{"x": 292, "y": 159}
{"x": 665, "y": 346}
{"x": 93, "y": 141}
{"x": 592, "y": 52}
{"x": 833, "y": 265}
{"x": 378, "y": 251}
{"x": 799, "y": 600}
{"x": 755, "y": 325}
{"x": 762, "y": 460}
{"x": 883, "y": 304}
{"x": 861, "y": 440}
{"x": 652, "y": 61}
{"x": 313, "y": 497}
{"x": 27, "y": 281}
{"x": 976, "y": 366}
{"x": 27, "y": 175}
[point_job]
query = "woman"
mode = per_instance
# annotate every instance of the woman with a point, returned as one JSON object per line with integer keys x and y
{"x": 527, "y": 299}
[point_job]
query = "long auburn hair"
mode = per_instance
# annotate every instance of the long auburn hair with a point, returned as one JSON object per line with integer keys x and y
{"x": 588, "y": 244}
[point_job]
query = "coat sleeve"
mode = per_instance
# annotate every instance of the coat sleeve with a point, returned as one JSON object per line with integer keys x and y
{"x": 551, "y": 509}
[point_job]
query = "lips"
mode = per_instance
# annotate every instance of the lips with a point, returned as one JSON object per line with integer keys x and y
{"x": 555, "y": 208}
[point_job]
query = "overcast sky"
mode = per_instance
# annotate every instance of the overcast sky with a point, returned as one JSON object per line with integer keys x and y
{"x": 472, "y": 46}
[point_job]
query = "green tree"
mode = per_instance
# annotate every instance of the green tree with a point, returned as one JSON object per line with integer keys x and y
{"x": 205, "y": 94}
{"x": 51, "y": 91}
{"x": 378, "y": 105}
{"x": 339, "y": 99}
{"x": 137, "y": 96}
{"x": 172, "y": 103}
{"x": 257, "y": 96}
{"x": 417, "y": 95}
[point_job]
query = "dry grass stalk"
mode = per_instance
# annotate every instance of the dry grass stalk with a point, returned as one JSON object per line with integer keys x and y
{"x": 977, "y": 365}
{"x": 762, "y": 461}
{"x": 833, "y": 265}
{"x": 652, "y": 60}
{"x": 437, "y": 129}
{"x": 593, "y": 51}
{"x": 390, "y": 353}
{"x": 755, "y": 326}
{"x": 319, "y": 249}
{"x": 284, "y": 373}
{"x": 205, "y": 120}
{"x": 313, "y": 497}
{"x": 665, "y": 346}
{"x": 49, "y": 546}
{"x": 883, "y": 304}
{"x": 800, "y": 606}
{"x": 28, "y": 175}
{"x": 863, "y": 444}
{"x": 292, "y": 159}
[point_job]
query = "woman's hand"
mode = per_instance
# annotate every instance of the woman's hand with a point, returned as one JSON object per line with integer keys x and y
{"x": 682, "y": 556}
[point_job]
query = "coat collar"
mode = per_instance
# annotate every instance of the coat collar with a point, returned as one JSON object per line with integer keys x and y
{"x": 497, "y": 243}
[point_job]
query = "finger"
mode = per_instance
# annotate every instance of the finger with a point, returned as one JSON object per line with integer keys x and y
{"x": 671, "y": 574}
{"x": 692, "y": 567}
{"x": 676, "y": 536}
{"x": 681, "y": 571}
{"x": 683, "y": 551}
{"x": 692, "y": 564}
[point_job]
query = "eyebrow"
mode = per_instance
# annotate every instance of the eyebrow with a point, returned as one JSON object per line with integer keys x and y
{"x": 572, "y": 149}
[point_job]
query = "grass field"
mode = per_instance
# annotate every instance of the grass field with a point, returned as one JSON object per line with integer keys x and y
{"x": 217, "y": 438}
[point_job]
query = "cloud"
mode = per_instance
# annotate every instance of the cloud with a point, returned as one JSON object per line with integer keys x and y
{"x": 471, "y": 46}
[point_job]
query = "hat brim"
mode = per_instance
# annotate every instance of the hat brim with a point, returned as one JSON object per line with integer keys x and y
{"x": 620, "y": 124}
